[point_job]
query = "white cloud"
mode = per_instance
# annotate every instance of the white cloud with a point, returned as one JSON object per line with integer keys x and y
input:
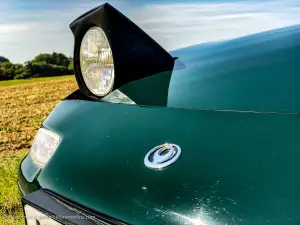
{"x": 183, "y": 24}
{"x": 173, "y": 25}
{"x": 40, "y": 32}
{"x": 7, "y": 29}
{"x": 23, "y": 42}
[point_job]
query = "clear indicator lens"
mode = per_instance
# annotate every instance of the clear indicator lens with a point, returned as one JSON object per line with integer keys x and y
{"x": 96, "y": 62}
{"x": 43, "y": 146}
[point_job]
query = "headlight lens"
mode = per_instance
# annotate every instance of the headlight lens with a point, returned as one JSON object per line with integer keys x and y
{"x": 43, "y": 146}
{"x": 96, "y": 62}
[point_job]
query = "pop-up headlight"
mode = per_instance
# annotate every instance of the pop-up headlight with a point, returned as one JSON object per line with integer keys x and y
{"x": 96, "y": 62}
{"x": 110, "y": 51}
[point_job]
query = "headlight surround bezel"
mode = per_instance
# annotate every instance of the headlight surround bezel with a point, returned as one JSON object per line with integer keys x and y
{"x": 85, "y": 27}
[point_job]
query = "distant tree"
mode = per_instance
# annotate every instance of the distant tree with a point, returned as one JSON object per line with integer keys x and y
{"x": 7, "y": 71}
{"x": 43, "y": 69}
{"x": 24, "y": 71}
{"x": 54, "y": 58}
{"x": 43, "y": 65}
{"x": 10, "y": 70}
{"x": 3, "y": 59}
{"x": 44, "y": 57}
{"x": 70, "y": 66}
{"x": 28, "y": 71}
{"x": 60, "y": 59}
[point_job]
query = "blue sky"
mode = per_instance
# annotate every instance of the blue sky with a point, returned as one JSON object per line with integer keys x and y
{"x": 30, "y": 27}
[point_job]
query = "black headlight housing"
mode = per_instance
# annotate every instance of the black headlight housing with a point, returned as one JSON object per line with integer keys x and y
{"x": 135, "y": 54}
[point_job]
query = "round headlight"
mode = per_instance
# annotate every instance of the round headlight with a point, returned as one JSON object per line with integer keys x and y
{"x": 96, "y": 62}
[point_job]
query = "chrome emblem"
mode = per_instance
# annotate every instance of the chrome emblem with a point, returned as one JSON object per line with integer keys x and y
{"x": 162, "y": 156}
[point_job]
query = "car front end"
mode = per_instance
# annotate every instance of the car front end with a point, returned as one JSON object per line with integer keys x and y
{"x": 188, "y": 137}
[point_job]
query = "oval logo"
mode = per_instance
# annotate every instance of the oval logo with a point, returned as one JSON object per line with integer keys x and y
{"x": 162, "y": 156}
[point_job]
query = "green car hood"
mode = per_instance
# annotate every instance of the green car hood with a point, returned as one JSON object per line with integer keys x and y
{"x": 235, "y": 168}
{"x": 260, "y": 72}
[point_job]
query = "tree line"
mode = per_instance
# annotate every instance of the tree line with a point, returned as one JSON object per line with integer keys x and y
{"x": 43, "y": 65}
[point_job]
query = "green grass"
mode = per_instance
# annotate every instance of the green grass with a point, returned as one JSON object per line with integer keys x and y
{"x": 10, "y": 207}
{"x": 33, "y": 80}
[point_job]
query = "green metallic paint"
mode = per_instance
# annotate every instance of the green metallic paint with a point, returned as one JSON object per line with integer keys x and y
{"x": 29, "y": 169}
{"x": 235, "y": 168}
{"x": 150, "y": 90}
{"x": 27, "y": 175}
{"x": 255, "y": 73}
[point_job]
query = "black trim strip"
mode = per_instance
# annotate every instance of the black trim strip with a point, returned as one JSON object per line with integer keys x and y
{"x": 65, "y": 210}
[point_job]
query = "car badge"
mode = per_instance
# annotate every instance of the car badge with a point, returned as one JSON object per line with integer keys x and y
{"x": 162, "y": 156}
